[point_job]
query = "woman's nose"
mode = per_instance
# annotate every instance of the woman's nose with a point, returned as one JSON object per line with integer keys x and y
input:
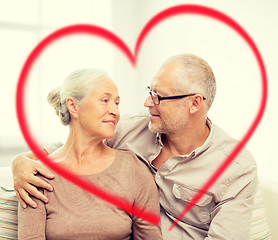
{"x": 114, "y": 109}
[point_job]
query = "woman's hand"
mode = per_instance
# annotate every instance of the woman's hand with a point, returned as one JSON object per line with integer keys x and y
{"x": 24, "y": 170}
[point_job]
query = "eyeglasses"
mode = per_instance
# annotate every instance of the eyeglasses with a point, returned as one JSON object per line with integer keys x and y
{"x": 156, "y": 98}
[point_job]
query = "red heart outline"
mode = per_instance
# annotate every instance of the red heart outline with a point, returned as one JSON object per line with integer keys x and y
{"x": 112, "y": 38}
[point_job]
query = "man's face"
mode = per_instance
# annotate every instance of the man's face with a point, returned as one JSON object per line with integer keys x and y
{"x": 170, "y": 116}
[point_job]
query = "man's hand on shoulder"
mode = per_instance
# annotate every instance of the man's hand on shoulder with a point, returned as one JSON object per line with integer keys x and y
{"x": 25, "y": 168}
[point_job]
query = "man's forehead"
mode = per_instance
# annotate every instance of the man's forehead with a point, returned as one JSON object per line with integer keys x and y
{"x": 166, "y": 76}
{"x": 161, "y": 87}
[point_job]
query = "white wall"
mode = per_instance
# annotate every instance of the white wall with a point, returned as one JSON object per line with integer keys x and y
{"x": 237, "y": 73}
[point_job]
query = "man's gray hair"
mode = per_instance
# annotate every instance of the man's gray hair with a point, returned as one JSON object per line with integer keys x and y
{"x": 77, "y": 85}
{"x": 194, "y": 76}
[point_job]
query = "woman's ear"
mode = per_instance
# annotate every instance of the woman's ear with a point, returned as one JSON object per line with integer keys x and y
{"x": 72, "y": 107}
{"x": 196, "y": 104}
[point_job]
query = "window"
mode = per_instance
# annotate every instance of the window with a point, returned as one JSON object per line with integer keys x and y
{"x": 23, "y": 24}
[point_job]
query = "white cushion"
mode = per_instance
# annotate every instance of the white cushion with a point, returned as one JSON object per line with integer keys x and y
{"x": 8, "y": 205}
{"x": 6, "y": 178}
{"x": 259, "y": 226}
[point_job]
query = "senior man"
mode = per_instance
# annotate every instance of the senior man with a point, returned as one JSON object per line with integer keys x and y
{"x": 182, "y": 148}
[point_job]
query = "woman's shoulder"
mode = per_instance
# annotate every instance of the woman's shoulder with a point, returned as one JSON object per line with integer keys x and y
{"x": 53, "y": 181}
{"x": 130, "y": 160}
{"x": 126, "y": 155}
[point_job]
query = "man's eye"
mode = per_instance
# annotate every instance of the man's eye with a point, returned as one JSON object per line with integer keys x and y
{"x": 105, "y": 100}
{"x": 117, "y": 103}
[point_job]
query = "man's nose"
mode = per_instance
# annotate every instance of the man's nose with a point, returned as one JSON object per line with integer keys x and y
{"x": 149, "y": 102}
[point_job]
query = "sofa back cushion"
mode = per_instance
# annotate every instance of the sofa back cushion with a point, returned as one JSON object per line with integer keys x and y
{"x": 8, "y": 205}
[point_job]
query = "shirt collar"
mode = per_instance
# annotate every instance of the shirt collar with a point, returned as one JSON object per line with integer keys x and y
{"x": 208, "y": 141}
{"x": 158, "y": 139}
{"x": 198, "y": 150}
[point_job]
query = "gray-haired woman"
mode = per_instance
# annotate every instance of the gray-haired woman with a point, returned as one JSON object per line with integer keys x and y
{"x": 88, "y": 102}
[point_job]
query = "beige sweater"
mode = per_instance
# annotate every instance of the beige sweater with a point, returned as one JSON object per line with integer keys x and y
{"x": 73, "y": 213}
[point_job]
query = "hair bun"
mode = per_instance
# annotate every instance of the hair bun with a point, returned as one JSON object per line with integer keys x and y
{"x": 60, "y": 108}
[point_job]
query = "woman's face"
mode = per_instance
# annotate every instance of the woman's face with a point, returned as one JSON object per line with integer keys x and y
{"x": 98, "y": 113}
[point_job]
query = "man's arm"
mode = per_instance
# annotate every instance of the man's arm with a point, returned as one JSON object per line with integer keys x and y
{"x": 25, "y": 167}
{"x": 231, "y": 218}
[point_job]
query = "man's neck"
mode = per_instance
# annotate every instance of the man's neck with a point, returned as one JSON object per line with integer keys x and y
{"x": 184, "y": 142}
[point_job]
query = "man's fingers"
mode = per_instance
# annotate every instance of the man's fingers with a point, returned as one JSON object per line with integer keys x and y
{"x": 38, "y": 182}
{"x": 44, "y": 171}
{"x": 26, "y": 181}
{"x": 33, "y": 191}
{"x": 28, "y": 184}
{"x": 24, "y": 196}
{"x": 22, "y": 203}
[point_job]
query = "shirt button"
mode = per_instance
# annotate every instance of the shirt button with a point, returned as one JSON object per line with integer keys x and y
{"x": 158, "y": 177}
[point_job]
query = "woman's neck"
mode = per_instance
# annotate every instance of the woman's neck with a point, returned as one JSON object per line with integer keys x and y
{"x": 84, "y": 155}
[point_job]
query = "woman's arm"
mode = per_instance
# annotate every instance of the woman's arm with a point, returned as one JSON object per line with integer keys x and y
{"x": 32, "y": 222}
{"x": 146, "y": 196}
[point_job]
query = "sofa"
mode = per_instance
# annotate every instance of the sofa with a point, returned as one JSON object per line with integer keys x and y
{"x": 8, "y": 211}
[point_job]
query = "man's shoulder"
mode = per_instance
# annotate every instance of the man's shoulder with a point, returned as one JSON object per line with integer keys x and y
{"x": 131, "y": 128}
{"x": 227, "y": 144}
{"x": 241, "y": 171}
{"x": 134, "y": 117}
{"x": 132, "y": 123}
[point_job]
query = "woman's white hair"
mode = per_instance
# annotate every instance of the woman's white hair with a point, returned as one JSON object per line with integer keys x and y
{"x": 77, "y": 85}
{"x": 194, "y": 76}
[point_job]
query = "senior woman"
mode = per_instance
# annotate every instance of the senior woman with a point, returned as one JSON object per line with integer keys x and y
{"x": 88, "y": 102}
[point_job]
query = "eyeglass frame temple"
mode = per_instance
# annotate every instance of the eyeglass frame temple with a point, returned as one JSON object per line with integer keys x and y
{"x": 172, "y": 97}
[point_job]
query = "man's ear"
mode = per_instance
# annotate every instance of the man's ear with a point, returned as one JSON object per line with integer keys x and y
{"x": 196, "y": 104}
{"x": 72, "y": 107}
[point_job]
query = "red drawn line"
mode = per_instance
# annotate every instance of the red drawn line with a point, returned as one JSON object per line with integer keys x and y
{"x": 105, "y": 34}
{"x": 119, "y": 202}
{"x": 209, "y": 12}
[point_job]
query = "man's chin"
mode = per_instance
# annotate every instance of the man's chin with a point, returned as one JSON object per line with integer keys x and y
{"x": 154, "y": 128}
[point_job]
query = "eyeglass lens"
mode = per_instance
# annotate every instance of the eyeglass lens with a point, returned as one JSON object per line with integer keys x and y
{"x": 154, "y": 97}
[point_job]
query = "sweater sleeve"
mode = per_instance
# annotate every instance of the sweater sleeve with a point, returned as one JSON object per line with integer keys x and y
{"x": 146, "y": 196}
{"x": 32, "y": 222}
